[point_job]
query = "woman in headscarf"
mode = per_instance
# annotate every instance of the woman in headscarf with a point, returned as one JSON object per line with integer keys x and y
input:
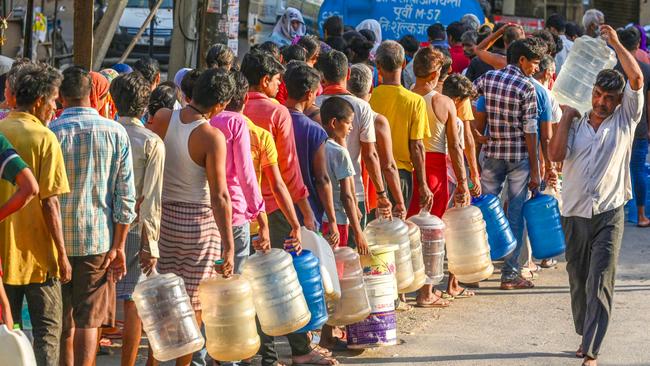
{"x": 290, "y": 26}
{"x": 373, "y": 26}
{"x": 99, "y": 93}
{"x": 110, "y": 75}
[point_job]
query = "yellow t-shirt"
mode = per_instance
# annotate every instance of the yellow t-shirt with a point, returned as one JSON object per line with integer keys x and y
{"x": 407, "y": 116}
{"x": 264, "y": 154}
{"x": 464, "y": 110}
{"x": 26, "y": 246}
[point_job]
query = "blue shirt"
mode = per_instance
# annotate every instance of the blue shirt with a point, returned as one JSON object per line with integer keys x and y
{"x": 544, "y": 106}
{"x": 309, "y": 138}
{"x": 97, "y": 155}
{"x": 339, "y": 166}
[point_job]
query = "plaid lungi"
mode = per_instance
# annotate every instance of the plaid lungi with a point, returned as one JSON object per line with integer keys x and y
{"x": 189, "y": 244}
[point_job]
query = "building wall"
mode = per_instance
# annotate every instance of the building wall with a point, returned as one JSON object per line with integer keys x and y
{"x": 619, "y": 13}
{"x": 644, "y": 14}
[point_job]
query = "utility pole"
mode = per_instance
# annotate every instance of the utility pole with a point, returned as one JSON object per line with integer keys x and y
{"x": 83, "y": 33}
{"x": 106, "y": 30}
{"x": 184, "y": 46}
{"x": 29, "y": 24}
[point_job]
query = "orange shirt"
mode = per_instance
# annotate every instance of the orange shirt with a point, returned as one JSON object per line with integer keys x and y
{"x": 270, "y": 115}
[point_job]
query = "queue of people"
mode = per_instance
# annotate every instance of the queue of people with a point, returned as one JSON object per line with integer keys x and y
{"x": 108, "y": 177}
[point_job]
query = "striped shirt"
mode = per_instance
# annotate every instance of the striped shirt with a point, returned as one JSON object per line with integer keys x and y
{"x": 511, "y": 106}
{"x": 98, "y": 162}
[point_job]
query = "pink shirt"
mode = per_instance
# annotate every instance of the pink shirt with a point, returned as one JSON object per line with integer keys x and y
{"x": 275, "y": 118}
{"x": 244, "y": 191}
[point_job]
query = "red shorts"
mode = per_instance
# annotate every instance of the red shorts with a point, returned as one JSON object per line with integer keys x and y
{"x": 343, "y": 232}
{"x": 436, "y": 178}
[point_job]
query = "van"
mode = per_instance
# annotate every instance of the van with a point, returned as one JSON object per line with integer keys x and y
{"x": 134, "y": 15}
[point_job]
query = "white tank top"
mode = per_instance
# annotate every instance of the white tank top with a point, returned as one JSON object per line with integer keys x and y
{"x": 438, "y": 140}
{"x": 185, "y": 180}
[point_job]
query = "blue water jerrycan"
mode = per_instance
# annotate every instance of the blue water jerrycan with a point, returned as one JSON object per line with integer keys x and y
{"x": 545, "y": 232}
{"x": 308, "y": 269}
{"x": 500, "y": 237}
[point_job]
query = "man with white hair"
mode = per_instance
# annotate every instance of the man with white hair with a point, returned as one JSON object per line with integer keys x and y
{"x": 591, "y": 21}
{"x": 596, "y": 149}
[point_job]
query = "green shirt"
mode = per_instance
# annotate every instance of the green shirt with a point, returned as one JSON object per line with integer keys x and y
{"x": 10, "y": 162}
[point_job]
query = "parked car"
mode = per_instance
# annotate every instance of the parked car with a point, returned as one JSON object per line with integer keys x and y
{"x": 134, "y": 15}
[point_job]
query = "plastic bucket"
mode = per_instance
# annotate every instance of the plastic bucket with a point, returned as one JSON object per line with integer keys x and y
{"x": 380, "y": 327}
{"x": 380, "y": 261}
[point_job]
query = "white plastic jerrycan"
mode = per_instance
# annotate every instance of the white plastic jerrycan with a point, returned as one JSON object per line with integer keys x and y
{"x": 15, "y": 348}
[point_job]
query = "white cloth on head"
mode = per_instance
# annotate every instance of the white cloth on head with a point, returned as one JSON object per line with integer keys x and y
{"x": 283, "y": 29}
{"x": 373, "y": 26}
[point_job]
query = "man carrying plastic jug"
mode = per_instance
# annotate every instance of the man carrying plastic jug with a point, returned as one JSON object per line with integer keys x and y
{"x": 596, "y": 150}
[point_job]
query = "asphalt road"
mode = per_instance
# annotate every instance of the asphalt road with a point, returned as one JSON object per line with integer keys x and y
{"x": 531, "y": 327}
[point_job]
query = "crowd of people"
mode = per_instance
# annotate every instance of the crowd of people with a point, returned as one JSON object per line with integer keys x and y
{"x": 110, "y": 176}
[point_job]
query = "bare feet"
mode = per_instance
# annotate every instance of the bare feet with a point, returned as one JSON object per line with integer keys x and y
{"x": 643, "y": 221}
{"x": 431, "y": 300}
{"x": 579, "y": 353}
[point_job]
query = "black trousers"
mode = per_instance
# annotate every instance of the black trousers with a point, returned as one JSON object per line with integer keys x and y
{"x": 592, "y": 252}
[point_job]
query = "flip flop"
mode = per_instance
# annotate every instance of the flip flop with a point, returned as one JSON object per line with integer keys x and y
{"x": 438, "y": 303}
{"x": 579, "y": 353}
{"x": 446, "y": 296}
{"x": 339, "y": 346}
{"x": 548, "y": 263}
{"x": 465, "y": 293}
{"x": 643, "y": 225}
{"x": 322, "y": 350}
{"x": 316, "y": 359}
{"x": 403, "y": 307}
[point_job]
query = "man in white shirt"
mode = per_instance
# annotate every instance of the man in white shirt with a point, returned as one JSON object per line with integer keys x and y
{"x": 596, "y": 151}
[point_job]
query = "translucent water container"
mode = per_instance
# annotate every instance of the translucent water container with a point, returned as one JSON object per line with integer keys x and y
{"x": 468, "y": 252}
{"x": 382, "y": 232}
{"x": 353, "y": 305}
{"x": 545, "y": 232}
{"x": 229, "y": 317}
{"x": 587, "y": 58}
{"x": 432, "y": 230}
{"x": 308, "y": 269}
{"x": 500, "y": 237}
{"x": 419, "y": 277}
{"x": 167, "y": 316}
{"x": 279, "y": 302}
{"x": 15, "y": 348}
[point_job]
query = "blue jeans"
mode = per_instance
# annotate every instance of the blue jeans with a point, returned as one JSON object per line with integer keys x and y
{"x": 242, "y": 240}
{"x": 493, "y": 176}
{"x": 637, "y": 170}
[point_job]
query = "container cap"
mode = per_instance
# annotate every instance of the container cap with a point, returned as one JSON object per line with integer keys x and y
{"x": 458, "y": 216}
{"x": 262, "y": 262}
{"x": 425, "y": 219}
{"x": 391, "y": 227}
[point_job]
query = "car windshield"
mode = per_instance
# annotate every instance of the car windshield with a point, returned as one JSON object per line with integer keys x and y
{"x": 167, "y": 4}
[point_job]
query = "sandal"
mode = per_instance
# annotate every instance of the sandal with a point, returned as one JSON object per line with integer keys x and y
{"x": 465, "y": 293}
{"x": 548, "y": 263}
{"x": 446, "y": 296}
{"x": 316, "y": 359}
{"x": 322, "y": 350}
{"x": 518, "y": 283}
{"x": 403, "y": 307}
{"x": 438, "y": 303}
{"x": 579, "y": 353}
{"x": 528, "y": 274}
